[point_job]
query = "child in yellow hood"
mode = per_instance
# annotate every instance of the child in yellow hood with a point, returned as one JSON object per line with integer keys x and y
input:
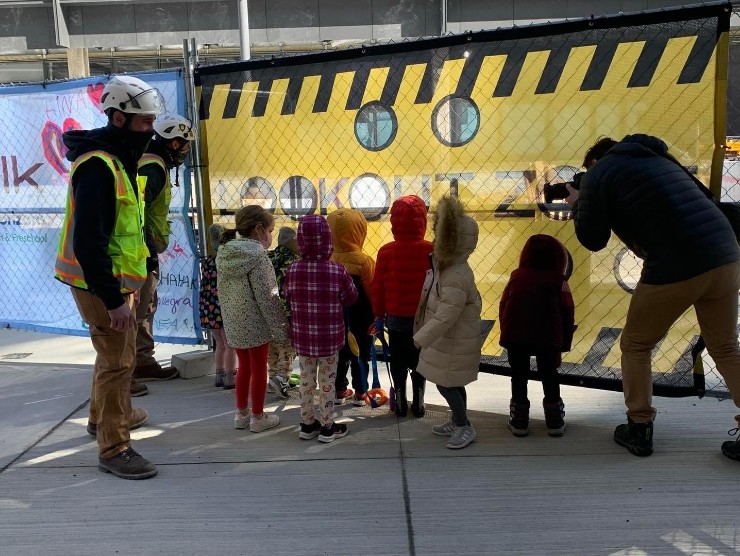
{"x": 349, "y": 230}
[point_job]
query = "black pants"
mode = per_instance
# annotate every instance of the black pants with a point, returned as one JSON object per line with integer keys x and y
{"x": 348, "y": 360}
{"x": 547, "y": 367}
{"x": 457, "y": 399}
{"x": 404, "y": 358}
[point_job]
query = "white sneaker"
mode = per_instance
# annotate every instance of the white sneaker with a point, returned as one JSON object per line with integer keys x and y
{"x": 461, "y": 437}
{"x": 259, "y": 424}
{"x": 445, "y": 429}
{"x": 241, "y": 420}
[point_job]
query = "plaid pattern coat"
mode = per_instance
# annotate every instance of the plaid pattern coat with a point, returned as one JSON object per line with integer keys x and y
{"x": 317, "y": 291}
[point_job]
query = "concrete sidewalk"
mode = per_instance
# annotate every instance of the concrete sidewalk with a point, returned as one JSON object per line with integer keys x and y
{"x": 389, "y": 487}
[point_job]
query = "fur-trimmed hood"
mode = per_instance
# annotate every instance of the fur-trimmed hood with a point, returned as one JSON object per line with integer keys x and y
{"x": 455, "y": 233}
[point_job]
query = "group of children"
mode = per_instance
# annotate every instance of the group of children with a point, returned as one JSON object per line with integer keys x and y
{"x": 318, "y": 288}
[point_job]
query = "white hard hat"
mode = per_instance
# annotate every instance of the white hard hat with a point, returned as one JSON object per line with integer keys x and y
{"x": 174, "y": 126}
{"x": 132, "y": 96}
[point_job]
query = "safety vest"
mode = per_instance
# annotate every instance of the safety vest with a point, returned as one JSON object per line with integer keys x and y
{"x": 126, "y": 245}
{"x": 157, "y": 209}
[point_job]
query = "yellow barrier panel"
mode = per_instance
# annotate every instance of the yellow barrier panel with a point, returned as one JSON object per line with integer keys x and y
{"x": 487, "y": 116}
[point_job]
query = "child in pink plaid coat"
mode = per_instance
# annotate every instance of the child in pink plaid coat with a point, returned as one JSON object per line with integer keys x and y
{"x": 317, "y": 290}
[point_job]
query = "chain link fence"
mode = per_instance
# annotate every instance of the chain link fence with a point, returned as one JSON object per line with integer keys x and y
{"x": 490, "y": 117}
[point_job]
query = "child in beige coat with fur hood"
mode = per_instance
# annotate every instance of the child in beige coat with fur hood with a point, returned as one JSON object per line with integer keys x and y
{"x": 447, "y": 323}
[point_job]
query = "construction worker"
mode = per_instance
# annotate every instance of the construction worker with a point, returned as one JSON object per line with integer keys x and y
{"x": 102, "y": 256}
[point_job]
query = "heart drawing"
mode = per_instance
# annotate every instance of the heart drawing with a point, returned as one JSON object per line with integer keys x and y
{"x": 54, "y": 149}
{"x": 94, "y": 92}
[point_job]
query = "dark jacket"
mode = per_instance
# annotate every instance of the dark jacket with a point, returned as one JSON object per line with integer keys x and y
{"x": 93, "y": 188}
{"x": 536, "y": 310}
{"x": 656, "y": 209}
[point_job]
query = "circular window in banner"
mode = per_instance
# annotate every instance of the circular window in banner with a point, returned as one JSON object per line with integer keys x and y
{"x": 258, "y": 191}
{"x": 375, "y": 126}
{"x": 455, "y": 121}
{"x": 298, "y": 197}
{"x": 370, "y": 194}
{"x": 627, "y": 269}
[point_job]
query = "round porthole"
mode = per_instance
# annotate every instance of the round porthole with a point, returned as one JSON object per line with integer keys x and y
{"x": 455, "y": 121}
{"x": 298, "y": 197}
{"x": 258, "y": 191}
{"x": 375, "y": 126}
{"x": 371, "y": 195}
{"x": 627, "y": 269}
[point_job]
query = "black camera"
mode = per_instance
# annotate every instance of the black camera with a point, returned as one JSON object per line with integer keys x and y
{"x": 558, "y": 191}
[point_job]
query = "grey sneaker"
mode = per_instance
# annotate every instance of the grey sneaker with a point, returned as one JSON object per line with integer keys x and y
{"x": 259, "y": 424}
{"x": 241, "y": 420}
{"x": 229, "y": 381}
{"x": 279, "y": 386}
{"x": 128, "y": 465}
{"x": 461, "y": 437}
{"x": 445, "y": 429}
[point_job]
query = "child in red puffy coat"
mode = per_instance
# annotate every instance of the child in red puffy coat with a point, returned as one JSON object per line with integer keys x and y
{"x": 399, "y": 277}
{"x": 537, "y": 320}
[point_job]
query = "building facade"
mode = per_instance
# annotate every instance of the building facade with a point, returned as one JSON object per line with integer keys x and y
{"x": 56, "y": 39}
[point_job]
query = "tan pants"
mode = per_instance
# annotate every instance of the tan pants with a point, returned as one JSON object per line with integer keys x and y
{"x": 145, "y": 320}
{"x": 110, "y": 401}
{"x": 280, "y": 359}
{"x": 654, "y": 309}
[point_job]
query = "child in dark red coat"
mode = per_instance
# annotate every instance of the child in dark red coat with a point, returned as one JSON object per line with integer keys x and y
{"x": 537, "y": 319}
{"x": 399, "y": 277}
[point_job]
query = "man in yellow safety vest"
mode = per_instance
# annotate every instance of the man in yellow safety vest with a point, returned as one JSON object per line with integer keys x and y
{"x": 169, "y": 148}
{"x": 102, "y": 256}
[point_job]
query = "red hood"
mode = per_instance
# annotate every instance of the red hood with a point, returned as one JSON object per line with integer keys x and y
{"x": 544, "y": 252}
{"x": 409, "y": 218}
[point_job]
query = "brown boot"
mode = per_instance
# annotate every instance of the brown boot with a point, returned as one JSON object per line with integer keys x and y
{"x": 154, "y": 371}
{"x": 139, "y": 417}
{"x": 137, "y": 389}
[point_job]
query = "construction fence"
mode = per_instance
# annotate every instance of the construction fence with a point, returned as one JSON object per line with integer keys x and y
{"x": 489, "y": 117}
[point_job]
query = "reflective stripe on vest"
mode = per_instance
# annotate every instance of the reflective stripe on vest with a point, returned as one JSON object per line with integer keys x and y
{"x": 157, "y": 209}
{"x": 126, "y": 246}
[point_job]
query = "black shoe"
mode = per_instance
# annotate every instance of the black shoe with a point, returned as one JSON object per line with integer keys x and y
{"x": 418, "y": 409}
{"x": 128, "y": 465}
{"x": 731, "y": 448}
{"x": 402, "y": 407}
{"x": 418, "y": 385}
{"x": 309, "y": 432}
{"x": 636, "y": 437}
{"x": 337, "y": 430}
{"x": 554, "y": 413}
{"x": 519, "y": 418}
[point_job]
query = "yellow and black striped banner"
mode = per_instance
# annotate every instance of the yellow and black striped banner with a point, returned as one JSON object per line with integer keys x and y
{"x": 490, "y": 117}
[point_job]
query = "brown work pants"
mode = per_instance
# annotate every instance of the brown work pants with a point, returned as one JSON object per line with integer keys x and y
{"x": 110, "y": 399}
{"x": 654, "y": 309}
